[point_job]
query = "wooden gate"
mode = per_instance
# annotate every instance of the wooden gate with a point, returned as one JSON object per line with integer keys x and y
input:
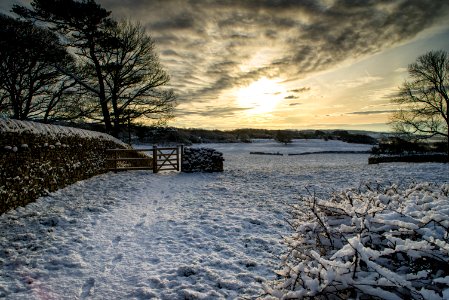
{"x": 161, "y": 159}
{"x": 165, "y": 159}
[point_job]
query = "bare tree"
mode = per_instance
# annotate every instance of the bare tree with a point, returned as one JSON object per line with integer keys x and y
{"x": 28, "y": 78}
{"x": 82, "y": 24}
{"x": 68, "y": 102}
{"x": 423, "y": 101}
{"x": 134, "y": 77}
{"x": 119, "y": 63}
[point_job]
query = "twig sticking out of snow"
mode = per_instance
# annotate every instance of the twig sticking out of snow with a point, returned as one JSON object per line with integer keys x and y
{"x": 384, "y": 242}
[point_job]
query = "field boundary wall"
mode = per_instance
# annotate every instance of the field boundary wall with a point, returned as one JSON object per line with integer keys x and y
{"x": 36, "y": 159}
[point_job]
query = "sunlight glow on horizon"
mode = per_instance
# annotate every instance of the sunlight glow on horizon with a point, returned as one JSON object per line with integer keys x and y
{"x": 261, "y": 96}
{"x": 285, "y": 64}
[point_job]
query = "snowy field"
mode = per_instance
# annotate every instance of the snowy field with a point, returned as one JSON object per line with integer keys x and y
{"x": 138, "y": 235}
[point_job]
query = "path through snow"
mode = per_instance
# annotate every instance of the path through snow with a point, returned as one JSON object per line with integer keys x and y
{"x": 142, "y": 235}
{"x": 138, "y": 235}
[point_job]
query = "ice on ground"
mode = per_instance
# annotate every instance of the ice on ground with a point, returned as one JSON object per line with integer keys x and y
{"x": 139, "y": 235}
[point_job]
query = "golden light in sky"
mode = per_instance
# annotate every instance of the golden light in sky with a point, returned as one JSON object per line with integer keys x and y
{"x": 274, "y": 64}
{"x": 261, "y": 96}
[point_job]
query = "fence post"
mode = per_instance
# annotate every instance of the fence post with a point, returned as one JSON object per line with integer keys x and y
{"x": 115, "y": 162}
{"x": 154, "y": 159}
{"x": 180, "y": 154}
{"x": 177, "y": 158}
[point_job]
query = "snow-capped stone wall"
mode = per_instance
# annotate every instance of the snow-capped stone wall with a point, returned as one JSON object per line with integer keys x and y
{"x": 38, "y": 158}
{"x": 202, "y": 160}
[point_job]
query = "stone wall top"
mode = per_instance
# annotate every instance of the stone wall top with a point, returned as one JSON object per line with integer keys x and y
{"x": 55, "y": 131}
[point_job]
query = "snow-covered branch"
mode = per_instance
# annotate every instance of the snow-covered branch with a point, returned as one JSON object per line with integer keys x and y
{"x": 388, "y": 243}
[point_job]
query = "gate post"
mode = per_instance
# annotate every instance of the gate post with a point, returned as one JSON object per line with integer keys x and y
{"x": 178, "y": 161}
{"x": 154, "y": 159}
{"x": 115, "y": 162}
{"x": 181, "y": 154}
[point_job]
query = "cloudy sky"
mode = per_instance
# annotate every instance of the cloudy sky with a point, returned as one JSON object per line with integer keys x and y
{"x": 287, "y": 63}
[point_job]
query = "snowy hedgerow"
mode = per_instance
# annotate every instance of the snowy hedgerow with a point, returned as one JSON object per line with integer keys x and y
{"x": 382, "y": 243}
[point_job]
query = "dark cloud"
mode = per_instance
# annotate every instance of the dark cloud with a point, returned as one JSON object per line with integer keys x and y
{"x": 178, "y": 22}
{"x": 215, "y": 41}
{"x": 169, "y": 52}
{"x": 372, "y": 112}
{"x": 166, "y": 41}
{"x": 210, "y": 111}
{"x": 300, "y": 90}
{"x": 209, "y": 46}
{"x": 340, "y": 126}
{"x": 271, "y": 34}
{"x": 349, "y": 30}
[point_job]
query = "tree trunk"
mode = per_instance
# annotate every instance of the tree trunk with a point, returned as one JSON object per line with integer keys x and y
{"x": 102, "y": 94}
{"x": 447, "y": 144}
{"x": 16, "y": 107}
{"x": 28, "y": 102}
{"x": 116, "y": 113}
{"x": 447, "y": 124}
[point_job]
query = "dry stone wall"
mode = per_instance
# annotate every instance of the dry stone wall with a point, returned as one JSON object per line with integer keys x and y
{"x": 202, "y": 160}
{"x": 37, "y": 158}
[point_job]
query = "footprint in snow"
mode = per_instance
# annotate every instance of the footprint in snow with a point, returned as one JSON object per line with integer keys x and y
{"x": 117, "y": 259}
{"x": 155, "y": 260}
{"x": 140, "y": 224}
{"x": 87, "y": 288}
{"x": 116, "y": 240}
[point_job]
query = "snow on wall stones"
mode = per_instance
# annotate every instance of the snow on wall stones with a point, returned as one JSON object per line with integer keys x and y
{"x": 202, "y": 160}
{"x": 38, "y": 158}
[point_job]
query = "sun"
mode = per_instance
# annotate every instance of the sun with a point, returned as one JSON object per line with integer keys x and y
{"x": 261, "y": 96}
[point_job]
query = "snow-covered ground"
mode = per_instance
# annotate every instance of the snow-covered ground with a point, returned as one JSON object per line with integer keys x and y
{"x": 138, "y": 235}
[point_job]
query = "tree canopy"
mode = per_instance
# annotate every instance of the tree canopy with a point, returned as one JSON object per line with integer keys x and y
{"x": 423, "y": 100}
{"x": 283, "y": 136}
{"x": 30, "y": 85}
{"x": 117, "y": 62}
{"x": 133, "y": 76}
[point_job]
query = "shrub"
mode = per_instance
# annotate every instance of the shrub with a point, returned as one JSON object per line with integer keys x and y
{"x": 358, "y": 139}
{"x": 382, "y": 243}
{"x": 283, "y": 137}
{"x": 396, "y": 146}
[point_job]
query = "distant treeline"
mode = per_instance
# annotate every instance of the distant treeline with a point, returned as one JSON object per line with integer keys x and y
{"x": 194, "y": 135}
{"x": 187, "y": 136}
{"x": 383, "y": 144}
